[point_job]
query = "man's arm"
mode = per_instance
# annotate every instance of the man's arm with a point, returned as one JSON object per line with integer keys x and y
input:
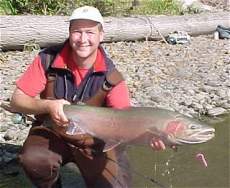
{"x": 26, "y": 104}
{"x": 118, "y": 97}
{"x": 30, "y": 85}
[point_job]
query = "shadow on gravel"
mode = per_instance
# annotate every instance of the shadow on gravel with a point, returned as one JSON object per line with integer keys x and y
{"x": 12, "y": 175}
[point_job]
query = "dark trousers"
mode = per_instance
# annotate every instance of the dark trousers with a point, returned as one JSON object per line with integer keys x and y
{"x": 44, "y": 152}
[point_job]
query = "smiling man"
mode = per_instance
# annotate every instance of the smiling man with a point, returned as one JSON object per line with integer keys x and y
{"x": 77, "y": 71}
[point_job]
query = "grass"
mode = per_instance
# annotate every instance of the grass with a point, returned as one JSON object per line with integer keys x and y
{"x": 7, "y": 8}
{"x": 107, "y": 7}
{"x": 149, "y": 7}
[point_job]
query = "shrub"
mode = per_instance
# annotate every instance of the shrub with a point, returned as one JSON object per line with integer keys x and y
{"x": 107, "y": 7}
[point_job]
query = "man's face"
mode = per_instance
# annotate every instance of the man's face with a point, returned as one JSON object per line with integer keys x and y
{"x": 84, "y": 37}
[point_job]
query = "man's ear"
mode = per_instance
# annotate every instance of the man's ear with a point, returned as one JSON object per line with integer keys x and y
{"x": 101, "y": 36}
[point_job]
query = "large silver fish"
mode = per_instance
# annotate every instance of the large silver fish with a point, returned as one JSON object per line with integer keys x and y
{"x": 137, "y": 125}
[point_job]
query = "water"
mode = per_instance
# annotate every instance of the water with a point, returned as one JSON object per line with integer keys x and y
{"x": 178, "y": 169}
{"x": 181, "y": 169}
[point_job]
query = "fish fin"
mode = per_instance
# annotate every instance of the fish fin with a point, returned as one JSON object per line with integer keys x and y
{"x": 110, "y": 145}
{"x": 144, "y": 139}
{"x": 155, "y": 133}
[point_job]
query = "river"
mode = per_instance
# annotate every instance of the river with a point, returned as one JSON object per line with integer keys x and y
{"x": 171, "y": 169}
{"x": 181, "y": 169}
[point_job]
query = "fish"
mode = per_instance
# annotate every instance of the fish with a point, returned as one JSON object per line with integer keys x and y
{"x": 136, "y": 125}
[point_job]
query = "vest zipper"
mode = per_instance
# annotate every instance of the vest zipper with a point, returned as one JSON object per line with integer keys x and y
{"x": 83, "y": 93}
{"x": 66, "y": 88}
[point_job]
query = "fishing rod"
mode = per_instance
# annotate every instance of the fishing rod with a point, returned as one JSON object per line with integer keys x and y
{"x": 152, "y": 180}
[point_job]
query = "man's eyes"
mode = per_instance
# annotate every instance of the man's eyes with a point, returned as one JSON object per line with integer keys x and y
{"x": 90, "y": 32}
{"x": 86, "y": 32}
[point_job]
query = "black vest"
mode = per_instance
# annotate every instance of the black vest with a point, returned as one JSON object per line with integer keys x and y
{"x": 63, "y": 85}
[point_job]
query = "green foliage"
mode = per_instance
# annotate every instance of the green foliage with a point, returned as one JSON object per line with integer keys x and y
{"x": 44, "y": 7}
{"x": 150, "y": 7}
{"x": 7, "y": 8}
{"x": 107, "y": 7}
{"x": 31, "y": 46}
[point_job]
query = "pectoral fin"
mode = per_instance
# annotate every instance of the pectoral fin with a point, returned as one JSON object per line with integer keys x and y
{"x": 111, "y": 144}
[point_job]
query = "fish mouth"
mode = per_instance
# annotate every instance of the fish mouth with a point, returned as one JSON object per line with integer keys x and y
{"x": 197, "y": 137}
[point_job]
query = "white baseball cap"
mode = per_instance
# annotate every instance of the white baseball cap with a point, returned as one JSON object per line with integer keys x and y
{"x": 87, "y": 13}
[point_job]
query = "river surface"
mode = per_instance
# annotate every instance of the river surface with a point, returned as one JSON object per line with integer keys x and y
{"x": 181, "y": 169}
{"x": 171, "y": 169}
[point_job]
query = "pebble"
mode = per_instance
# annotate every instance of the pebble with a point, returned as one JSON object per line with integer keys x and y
{"x": 216, "y": 111}
{"x": 10, "y": 134}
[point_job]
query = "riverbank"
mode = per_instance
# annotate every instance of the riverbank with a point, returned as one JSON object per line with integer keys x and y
{"x": 193, "y": 79}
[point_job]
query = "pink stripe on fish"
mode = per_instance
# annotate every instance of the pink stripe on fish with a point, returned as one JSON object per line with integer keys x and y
{"x": 174, "y": 127}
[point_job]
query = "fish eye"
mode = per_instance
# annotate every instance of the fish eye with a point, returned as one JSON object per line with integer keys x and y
{"x": 194, "y": 126}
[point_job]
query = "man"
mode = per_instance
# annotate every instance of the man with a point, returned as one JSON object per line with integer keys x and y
{"x": 77, "y": 71}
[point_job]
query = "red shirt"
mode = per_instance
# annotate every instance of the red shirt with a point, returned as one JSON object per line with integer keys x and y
{"x": 33, "y": 81}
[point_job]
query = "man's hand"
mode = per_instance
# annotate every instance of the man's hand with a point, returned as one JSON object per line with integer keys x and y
{"x": 157, "y": 144}
{"x": 21, "y": 102}
{"x": 55, "y": 109}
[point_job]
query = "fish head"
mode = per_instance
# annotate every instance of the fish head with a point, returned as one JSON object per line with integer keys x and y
{"x": 185, "y": 130}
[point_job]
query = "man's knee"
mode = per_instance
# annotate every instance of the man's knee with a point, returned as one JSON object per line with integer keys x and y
{"x": 38, "y": 163}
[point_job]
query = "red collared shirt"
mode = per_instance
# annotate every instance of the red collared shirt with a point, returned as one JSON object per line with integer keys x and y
{"x": 33, "y": 81}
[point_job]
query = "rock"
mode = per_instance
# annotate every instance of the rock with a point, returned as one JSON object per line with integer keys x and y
{"x": 10, "y": 134}
{"x": 3, "y": 127}
{"x": 195, "y": 5}
{"x": 17, "y": 118}
{"x": 197, "y": 106}
{"x": 7, "y": 156}
{"x": 186, "y": 102}
{"x": 11, "y": 167}
{"x": 2, "y": 116}
{"x": 216, "y": 111}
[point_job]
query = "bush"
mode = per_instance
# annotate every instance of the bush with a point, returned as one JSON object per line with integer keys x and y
{"x": 107, "y": 7}
{"x": 149, "y": 7}
{"x": 43, "y": 7}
